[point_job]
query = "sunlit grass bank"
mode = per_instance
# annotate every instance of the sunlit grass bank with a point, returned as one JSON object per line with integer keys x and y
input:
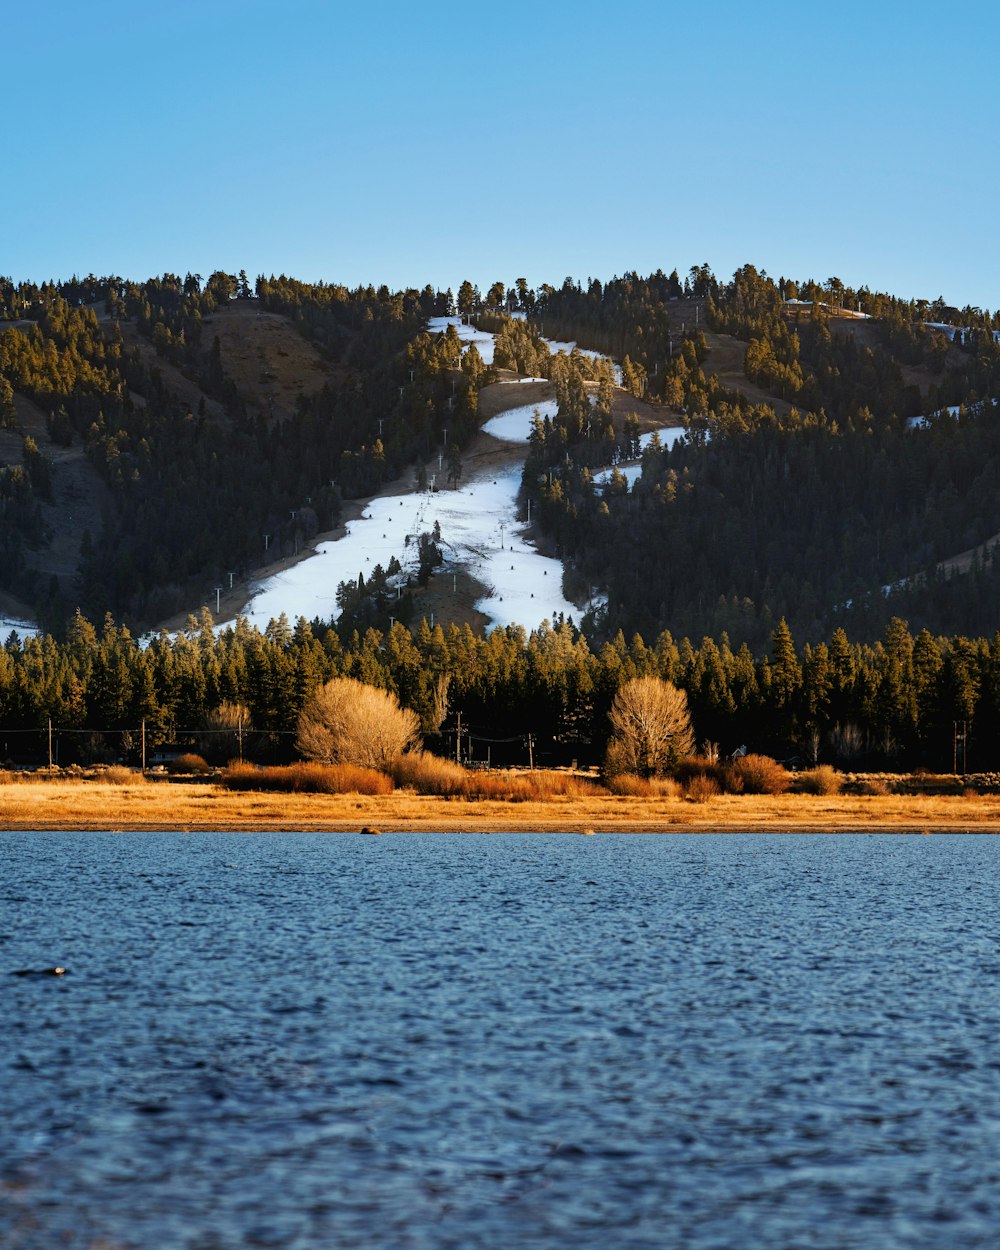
{"x": 574, "y": 805}
{"x": 307, "y": 778}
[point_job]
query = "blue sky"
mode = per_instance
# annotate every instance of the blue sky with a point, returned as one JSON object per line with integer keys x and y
{"x": 407, "y": 144}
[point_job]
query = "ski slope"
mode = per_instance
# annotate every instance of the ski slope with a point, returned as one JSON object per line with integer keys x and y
{"x": 482, "y": 532}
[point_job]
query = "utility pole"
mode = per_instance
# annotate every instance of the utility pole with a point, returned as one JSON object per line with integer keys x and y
{"x": 50, "y": 744}
{"x": 531, "y": 751}
{"x": 957, "y": 734}
{"x": 239, "y": 735}
{"x": 458, "y": 741}
{"x": 144, "y": 746}
{"x": 218, "y": 599}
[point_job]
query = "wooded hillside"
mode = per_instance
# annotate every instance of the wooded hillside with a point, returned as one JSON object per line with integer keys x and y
{"x": 860, "y": 458}
{"x": 840, "y": 466}
{"x": 204, "y": 423}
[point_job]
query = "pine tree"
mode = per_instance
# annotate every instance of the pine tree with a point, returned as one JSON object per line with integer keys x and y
{"x": 466, "y": 298}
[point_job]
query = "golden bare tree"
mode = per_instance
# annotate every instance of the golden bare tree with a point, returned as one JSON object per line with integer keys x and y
{"x": 225, "y": 732}
{"x": 347, "y": 722}
{"x": 651, "y": 727}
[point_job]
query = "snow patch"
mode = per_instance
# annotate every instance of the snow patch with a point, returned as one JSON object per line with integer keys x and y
{"x": 952, "y": 332}
{"x": 632, "y": 470}
{"x": 925, "y": 421}
{"x": 943, "y": 328}
{"x": 514, "y": 425}
{"x": 555, "y": 346}
{"x": 669, "y": 435}
{"x": 23, "y": 630}
{"x": 468, "y": 334}
{"x": 484, "y": 341}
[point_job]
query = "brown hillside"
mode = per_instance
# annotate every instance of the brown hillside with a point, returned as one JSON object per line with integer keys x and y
{"x": 268, "y": 360}
{"x": 865, "y": 334}
{"x": 262, "y": 352}
{"x": 652, "y": 414}
{"x": 174, "y": 381}
{"x": 725, "y": 360}
{"x": 500, "y": 397}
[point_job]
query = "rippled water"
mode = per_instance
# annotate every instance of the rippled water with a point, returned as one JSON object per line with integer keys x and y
{"x": 439, "y": 1041}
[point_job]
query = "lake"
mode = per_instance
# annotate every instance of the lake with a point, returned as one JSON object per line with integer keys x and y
{"x": 433, "y": 1041}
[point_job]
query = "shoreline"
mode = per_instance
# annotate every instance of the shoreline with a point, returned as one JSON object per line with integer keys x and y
{"x": 86, "y": 806}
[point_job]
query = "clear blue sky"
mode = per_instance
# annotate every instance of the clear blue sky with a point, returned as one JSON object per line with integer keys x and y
{"x": 411, "y": 143}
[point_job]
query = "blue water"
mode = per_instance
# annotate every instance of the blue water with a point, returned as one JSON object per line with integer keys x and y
{"x": 510, "y": 1041}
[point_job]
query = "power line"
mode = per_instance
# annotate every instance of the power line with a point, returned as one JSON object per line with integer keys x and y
{"x": 479, "y": 738}
{"x": 135, "y": 729}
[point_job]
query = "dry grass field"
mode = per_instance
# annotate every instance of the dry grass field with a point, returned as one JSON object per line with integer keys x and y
{"x": 269, "y": 361}
{"x": 499, "y": 397}
{"x": 204, "y": 806}
{"x": 725, "y": 360}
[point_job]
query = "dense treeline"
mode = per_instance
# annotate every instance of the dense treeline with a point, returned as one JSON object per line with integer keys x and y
{"x": 897, "y": 701}
{"x": 769, "y": 518}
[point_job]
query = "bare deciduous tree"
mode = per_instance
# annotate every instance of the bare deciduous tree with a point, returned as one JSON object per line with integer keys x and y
{"x": 347, "y": 722}
{"x": 651, "y": 727}
{"x": 226, "y": 730}
{"x": 436, "y": 714}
